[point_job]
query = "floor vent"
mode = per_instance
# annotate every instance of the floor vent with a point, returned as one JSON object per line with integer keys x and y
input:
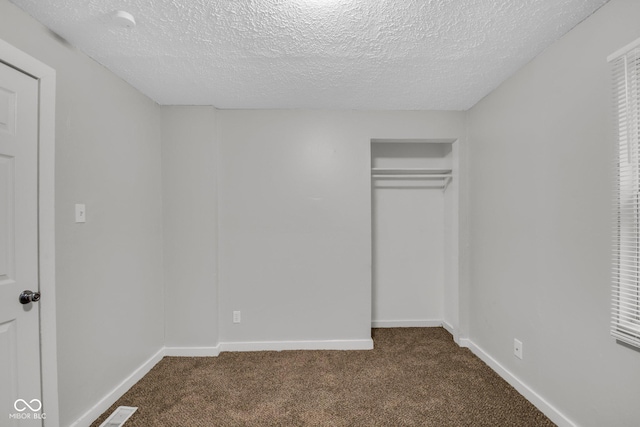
{"x": 119, "y": 416}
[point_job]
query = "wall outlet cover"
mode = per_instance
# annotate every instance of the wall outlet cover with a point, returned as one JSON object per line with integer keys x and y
{"x": 517, "y": 348}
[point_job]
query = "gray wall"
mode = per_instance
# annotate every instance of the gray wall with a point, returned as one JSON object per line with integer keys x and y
{"x": 295, "y": 218}
{"x": 540, "y": 193}
{"x": 189, "y": 177}
{"x": 109, "y": 270}
{"x": 294, "y": 222}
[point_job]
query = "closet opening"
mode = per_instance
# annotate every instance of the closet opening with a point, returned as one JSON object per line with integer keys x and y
{"x": 414, "y": 217}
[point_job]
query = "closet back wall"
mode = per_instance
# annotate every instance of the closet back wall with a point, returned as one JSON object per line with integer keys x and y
{"x": 295, "y": 218}
{"x": 408, "y": 261}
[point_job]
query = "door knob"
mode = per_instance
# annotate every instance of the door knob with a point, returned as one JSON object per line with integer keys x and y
{"x": 27, "y": 296}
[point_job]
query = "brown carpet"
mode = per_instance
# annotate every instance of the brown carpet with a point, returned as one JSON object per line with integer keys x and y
{"x": 413, "y": 377}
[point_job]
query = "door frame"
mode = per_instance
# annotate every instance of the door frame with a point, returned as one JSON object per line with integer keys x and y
{"x": 46, "y": 77}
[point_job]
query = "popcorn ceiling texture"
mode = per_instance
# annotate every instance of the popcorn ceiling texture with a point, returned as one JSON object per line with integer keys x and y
{"x": 333, "y": 54}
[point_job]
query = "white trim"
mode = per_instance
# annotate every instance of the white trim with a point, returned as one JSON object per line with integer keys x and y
{"x": 433, "y": 323}
{"x": 99, "y": 408}
{"x": 618, "y": 53}
{"x": 538, "y": 401}
{"x": 192, "y": 351}
{"x": 366, "y": 344}
{"x": 46, "y": 77}
{"x": 449, "y": 328}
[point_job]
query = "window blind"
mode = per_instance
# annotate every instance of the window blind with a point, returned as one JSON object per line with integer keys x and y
{"x": 625, "y": 322}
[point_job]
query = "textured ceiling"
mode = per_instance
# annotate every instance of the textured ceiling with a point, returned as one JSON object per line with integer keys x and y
{"x": 344, "y": 54}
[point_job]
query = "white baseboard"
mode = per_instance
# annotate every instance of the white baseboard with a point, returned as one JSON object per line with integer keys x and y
{"x": 448, "y": 328}
{"x": 98, "y": 409}
{"x": 192, "y": 351}
{"x": 366, "y": 344}
{"x": 406, "y": 323}
{"x": 538, "y": 401}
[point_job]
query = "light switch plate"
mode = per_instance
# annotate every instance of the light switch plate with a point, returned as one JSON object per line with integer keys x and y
{"x": 81, "y": 213}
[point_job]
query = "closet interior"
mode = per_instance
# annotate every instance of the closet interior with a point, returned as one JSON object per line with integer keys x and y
{"x": 413, "y": 230}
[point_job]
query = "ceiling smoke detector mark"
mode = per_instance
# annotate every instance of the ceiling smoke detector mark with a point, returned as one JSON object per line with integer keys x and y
{"x": 119, "y": 416}
{"x": 123, "y": 19}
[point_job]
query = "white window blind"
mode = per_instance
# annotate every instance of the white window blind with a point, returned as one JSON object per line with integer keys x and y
{"x": 625, "y": 325}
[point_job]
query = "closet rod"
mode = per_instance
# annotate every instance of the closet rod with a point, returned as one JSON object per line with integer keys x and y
{"x": 411, "y": 175}
{"x": 411, "y": 170}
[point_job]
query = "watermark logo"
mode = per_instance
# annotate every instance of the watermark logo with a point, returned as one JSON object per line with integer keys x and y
{"x": 21, "y": 405}
{"x": 27, "y": 410}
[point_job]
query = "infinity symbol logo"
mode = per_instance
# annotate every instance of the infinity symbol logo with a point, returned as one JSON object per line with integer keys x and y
{"x": 26, "y": 405}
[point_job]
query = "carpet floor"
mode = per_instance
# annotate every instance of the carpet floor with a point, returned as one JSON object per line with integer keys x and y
{"x": 413, "y": 377}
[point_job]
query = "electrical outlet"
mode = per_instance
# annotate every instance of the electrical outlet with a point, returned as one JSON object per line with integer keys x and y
{"x": 517, "y": 348}
{"x": 236, "y": 317}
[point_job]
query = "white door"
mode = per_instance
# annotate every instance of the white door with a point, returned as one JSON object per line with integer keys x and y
{"x": 20, "y": 390}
